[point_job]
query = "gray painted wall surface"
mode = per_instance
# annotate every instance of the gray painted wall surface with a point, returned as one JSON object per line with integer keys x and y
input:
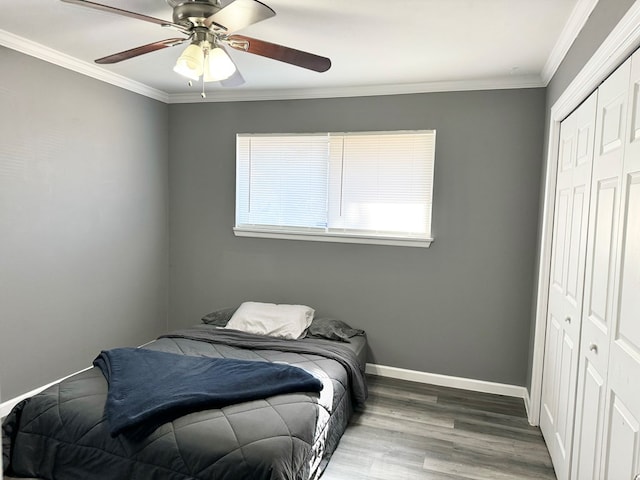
{"x": 604, "y": 18}
{"x": 83, "y": 220}
{"x": 461, "y": 307}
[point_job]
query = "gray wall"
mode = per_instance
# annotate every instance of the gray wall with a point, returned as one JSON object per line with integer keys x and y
{"x": 83, "y": 220}
{"x": 601, "y": 22}
{"x": 461, "y": 307}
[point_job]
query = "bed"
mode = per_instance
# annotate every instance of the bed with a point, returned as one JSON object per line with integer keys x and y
{"x": 62, "y": 432}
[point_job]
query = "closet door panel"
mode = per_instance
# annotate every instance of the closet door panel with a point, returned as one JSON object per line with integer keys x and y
{"x": 623, "y": 399}
{"x": 628, "y": 328}
{"x": 598, "y": 299}
{"x": 602, "y": 253}
{"x": 623, "y": 443}
{"x": 550, "y": 383}
{"x": 566, "y": 394}
{"x": 577, "y": 240}
{"x": 563, "y": 207}
{"x": 588, "y": 434}
{"x": 567, "y": 283}
{"x": 553, "y": 343}
{"x": 603, "y": 219}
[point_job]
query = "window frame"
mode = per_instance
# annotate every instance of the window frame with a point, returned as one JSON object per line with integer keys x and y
{"x": 339, "y": 235}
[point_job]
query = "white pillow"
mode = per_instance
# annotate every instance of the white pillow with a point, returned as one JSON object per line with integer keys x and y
{"x": 284, "y": 321}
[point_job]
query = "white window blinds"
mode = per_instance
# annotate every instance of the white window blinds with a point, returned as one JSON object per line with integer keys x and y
{"x": 282, "y": 180}
{"x": 371, "y": 186}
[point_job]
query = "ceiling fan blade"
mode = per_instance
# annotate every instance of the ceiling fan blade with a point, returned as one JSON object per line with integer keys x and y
{"x": 134, "y": 52}
{"x": 280, "y": 53}
{"x": 240, "y": 14}
{"x": 127, "y": 13}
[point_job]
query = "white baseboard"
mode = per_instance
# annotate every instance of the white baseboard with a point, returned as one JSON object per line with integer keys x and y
{"x": 5, "y": 407}
{"x": 448, "y": 381}
{"x": 527, "y": 407}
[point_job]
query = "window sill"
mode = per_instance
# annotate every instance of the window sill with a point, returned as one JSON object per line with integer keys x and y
{"x": 312, "y": 236}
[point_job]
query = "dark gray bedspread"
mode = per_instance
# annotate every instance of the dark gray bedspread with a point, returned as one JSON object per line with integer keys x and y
{"x": 61, "y": 433}
{"x": 327, "y": 348}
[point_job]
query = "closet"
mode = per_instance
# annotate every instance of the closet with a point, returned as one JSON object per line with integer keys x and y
{"x": 590, "y": 415}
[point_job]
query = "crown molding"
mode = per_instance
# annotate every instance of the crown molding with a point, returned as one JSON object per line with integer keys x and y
{"x": 55, "y": 57}
{"x": 614, "y": 50}
{"x": 578, "y": 17}
{"x": 240, "y": 95}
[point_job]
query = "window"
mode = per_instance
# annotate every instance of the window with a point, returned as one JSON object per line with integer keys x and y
{"x": 370, "y": 187}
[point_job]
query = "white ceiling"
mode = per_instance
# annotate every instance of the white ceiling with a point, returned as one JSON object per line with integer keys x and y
{"x": 375, "y": 46}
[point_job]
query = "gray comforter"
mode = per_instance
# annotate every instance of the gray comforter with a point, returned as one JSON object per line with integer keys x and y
{"x": 61, "y": 433}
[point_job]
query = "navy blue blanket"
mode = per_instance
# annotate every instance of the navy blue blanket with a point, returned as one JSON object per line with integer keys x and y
{"x": 148, "y": 388}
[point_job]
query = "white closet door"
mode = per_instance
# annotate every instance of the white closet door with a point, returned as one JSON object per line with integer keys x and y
{"x": 600, "y": 274}
{"x": 622, "y": 425}
{"x": 567, "y": 283}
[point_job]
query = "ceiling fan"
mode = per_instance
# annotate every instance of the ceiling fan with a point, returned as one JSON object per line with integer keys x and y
{"x": 210, "y": 26}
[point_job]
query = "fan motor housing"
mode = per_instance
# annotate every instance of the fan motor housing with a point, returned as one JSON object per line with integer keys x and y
{"x": 188, "y": 11}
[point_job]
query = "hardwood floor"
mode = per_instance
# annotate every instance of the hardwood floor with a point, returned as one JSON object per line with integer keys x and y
{"x": 412, "y": 431}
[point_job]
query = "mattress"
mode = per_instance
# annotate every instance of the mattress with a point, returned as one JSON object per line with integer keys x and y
{"x": 62, "y": 432}
{"x": 358, "y": 345}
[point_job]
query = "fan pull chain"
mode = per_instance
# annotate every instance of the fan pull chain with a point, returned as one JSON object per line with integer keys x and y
{"x": 205, "y": 69}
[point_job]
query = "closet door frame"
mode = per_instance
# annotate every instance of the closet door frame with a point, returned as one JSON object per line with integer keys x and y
{"x": 618, "y": 46}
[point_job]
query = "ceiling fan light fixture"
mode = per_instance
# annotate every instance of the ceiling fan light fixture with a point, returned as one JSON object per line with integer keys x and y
{"x": 218, "y": 65}
{"x": 208, "y": 24}
{"x": 190, "y": 63}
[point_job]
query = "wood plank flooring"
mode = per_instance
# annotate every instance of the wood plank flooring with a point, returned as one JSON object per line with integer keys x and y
{"x": 412, "y": 431}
